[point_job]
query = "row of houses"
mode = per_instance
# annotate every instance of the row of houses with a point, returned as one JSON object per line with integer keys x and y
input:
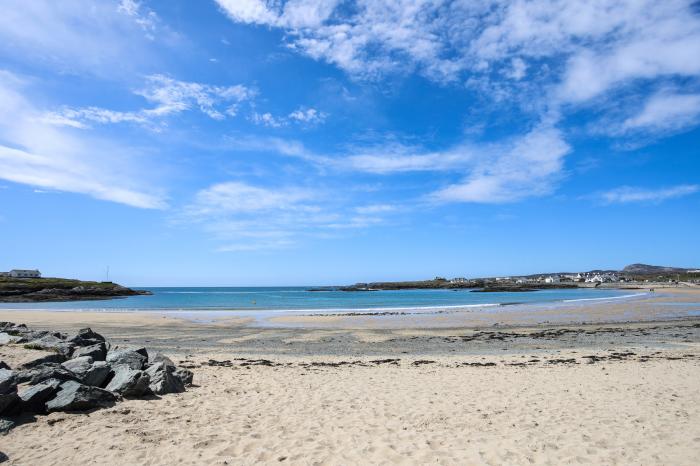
{"x": 576, "y": 278}
{"x": 21, "y": 273}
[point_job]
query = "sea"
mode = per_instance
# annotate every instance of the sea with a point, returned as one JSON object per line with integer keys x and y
{"x": 276, "y": 300}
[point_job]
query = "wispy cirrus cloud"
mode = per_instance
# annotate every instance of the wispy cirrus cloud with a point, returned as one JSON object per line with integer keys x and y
{"x": 665, "y": 112}
{"x": 490, "y": 172}
{"x": 169, "y": 96}
{"x": 629, "y": 194}
{"x": 302, "y": 116}
{"x": 35, "y": 153}
{"x": 244, "y": 217}
{"x": 110, "y": 39}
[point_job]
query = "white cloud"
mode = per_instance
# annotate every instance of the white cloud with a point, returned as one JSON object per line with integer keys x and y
{"x": 543, "y": 54}
{"x": 237, "y": 197}
{"x": 37, "y": 154}
{"x": 666, "y": 111}
{"x": 267, "y": 119}
{"x": 307, "y": 115}
{"x": 146, "y": 18}
{"x": 243, "y": 216}
{"x": 80, "y": 36}
{"x": 304, "y": 116}
{"x": 169, "y": 97}
{"x": 627, "y": 194}
{"x": 526, "y": 167}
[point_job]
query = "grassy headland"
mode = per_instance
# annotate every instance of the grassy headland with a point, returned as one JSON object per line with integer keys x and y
{"x": 29, "y": 290}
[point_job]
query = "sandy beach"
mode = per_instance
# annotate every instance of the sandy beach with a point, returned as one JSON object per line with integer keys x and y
{"x": 521, "y": 392}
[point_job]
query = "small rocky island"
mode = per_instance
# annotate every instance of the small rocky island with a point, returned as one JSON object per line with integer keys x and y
{"x": 32, "y": 290}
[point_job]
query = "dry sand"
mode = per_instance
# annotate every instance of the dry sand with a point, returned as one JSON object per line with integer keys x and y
{"x": 543, "y": 402}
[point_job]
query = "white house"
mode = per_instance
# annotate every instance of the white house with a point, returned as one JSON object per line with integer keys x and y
{"x": 552, "y": 279}
{"x": 18, "y": 273}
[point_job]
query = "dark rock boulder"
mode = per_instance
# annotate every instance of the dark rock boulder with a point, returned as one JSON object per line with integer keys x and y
{"x": 163, "y": 379}
{"x": 34, "y": 398}
{"x": 159, "y": 357}
{"x": 127, "y": 357}
{"x": 185, "y": 375}
{"x": 130, "y": 383}
{"x": 8, "y": 380}
{"x": 44, "y": 372}
{"x": 8, "y": 391}
{"x": 4, "y": 365}
{"x": 97, "y": 352}
{"x": 98, "y": 374}
{"x": 49, "y": 358}
{"x": 78, "y": 366}
{"x": 87, "y": 371}
{"x": 74, "y": 396}
{"x": 86, "y": 337}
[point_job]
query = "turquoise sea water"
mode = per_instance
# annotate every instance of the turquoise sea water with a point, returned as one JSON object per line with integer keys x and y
{"x": 300, "y": 299}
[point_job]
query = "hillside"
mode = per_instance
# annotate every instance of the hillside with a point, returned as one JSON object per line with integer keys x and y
{"x": 29, "y": 290}
{"x": 645, "y": 269}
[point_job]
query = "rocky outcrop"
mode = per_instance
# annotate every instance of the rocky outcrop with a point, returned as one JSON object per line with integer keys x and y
{"x": 84, "y": 372}
{"x": 21, "y": 290}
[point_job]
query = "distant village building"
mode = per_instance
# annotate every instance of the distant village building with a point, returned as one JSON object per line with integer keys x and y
{"x": 459, "y": 280}
{"x": 552, "y": 279}
{"x": 20, "y": 273}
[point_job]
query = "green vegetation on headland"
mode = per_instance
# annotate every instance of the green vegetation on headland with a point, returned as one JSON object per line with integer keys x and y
{"x": 30, "y": 290}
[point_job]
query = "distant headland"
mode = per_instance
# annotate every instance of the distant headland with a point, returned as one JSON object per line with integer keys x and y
{"x": 24, "y": 286}
{"x": 632, "y": 276}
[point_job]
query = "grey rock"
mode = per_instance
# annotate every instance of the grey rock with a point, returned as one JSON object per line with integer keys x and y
{"x": 185, "y": 375}
{"x": 163, "y": 379}
{"x": 129, "y": 382}
{"x": 47, "y": 341}
{"x": 34, "y": 398}
{"x": 86, "y": 337}
{"x": 6, "y": 338}
{"x": 97, "y": 352}
{"x": 74, "y": 396}
{"x": 97, "y": 375}
{"x": 5, "y": 426}
{"x": 159, "y": 357}
{"x": 50, "y": 358}
{"x": 8, "y": 381}
{"x": 127, "y": 357}
{"x": 78, "y": 366}
{"x": 44, "y": 372}
{"x": 8, "y": 391}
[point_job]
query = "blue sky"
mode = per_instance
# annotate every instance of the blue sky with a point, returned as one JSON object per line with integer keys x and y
{"x": 253, "y": 142}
